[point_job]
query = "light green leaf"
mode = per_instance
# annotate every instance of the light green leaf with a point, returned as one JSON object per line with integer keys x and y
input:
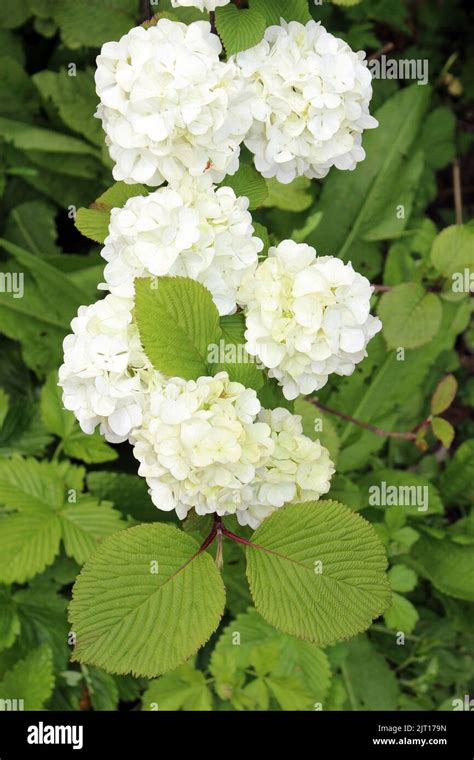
{"x": 178, "y": 323}
{"x": 85, "y": 524}
{"x": 437, "y": 137}
{"x": 239, "y": 29}
{"x": 369, "y": 682}
{"x": 448, "y": 565}
{"x": 410, "y": 316}
{"x": 248, "y": 182}
{"x": 93, "y": 222}
{"x": 317, "y": 602}
{"x": 42, "y": 613}
{"x": 293, "y": 197}
{"x": 444, "y": 394}
{"x": 183, "y": 689}
{"x": 443, "y": 430}
{"x": 278, "y": 653}
{"x": 402, "y": 578}
{"x": 232, "y": 356}
{"x": 14, "y": 13}
{"x": 453, "y": 250}
{"x": 29, "y": 485}
{"x": 289, "y": 10}
{"x": 401, "y": 615}
{"x": 91, "y": 449}
{"x": 58, "y": 420}
{"x": 30, "y": 680}
{"x": 29, "y": 542}
{"x": 130, "y": 619}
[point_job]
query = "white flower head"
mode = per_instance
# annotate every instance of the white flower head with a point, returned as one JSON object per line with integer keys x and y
{"x": 298, "y": 470}
{"x": 194, "y": 231}
{"x": 106, "y": 375}
{"x": 311, "y": 101}
{"x": 306, "y": 317}
{"x": 169, "y": 106}
{"x": 203, "y": 5}
{"x": 199, "y": 445}
{"x": 208, "y": 445}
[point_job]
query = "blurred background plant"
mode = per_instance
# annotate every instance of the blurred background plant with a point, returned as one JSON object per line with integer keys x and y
{"x": 402, "y": 218}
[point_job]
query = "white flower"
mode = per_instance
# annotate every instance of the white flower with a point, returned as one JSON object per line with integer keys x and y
{"x": 203, "y": 5}
{"x": 169, "y": 106}
{"x": 306, "y": 317}
{"x": 106, "y": 375}
{"x": 311, "y": 101}
{"x": 199, "y": 445}
{"x": 194, "y": 231}
{"x": 298, "y": 470}
{"x": 207, "y": 445}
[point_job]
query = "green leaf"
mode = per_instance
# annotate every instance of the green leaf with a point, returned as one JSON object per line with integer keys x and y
{"x": 74, "y": 98}
{"x": 369, "y": 681}
{"x": 401, "y": 615}
{"x": 400, "y": 492}
{"x": 443, "y": 430}
{"x": 91, "y": 449}
{"x": 22, "y": 431}
{"x": 438, "y": 137}
{"x": 248, "y": 182}
{"x": 85, "y": 524}
{"x": 232, "y": 356}
{"x": 249, "y": 636}
{"x": 453, "y": 250}
{"x": 14, "y": 13}
{"x": 402, "y": 578}
{"x": 30, "y": 680}
{"x": 384, "y": 180}
{"x": 448, "y": 565}
{"x": 293, "y": 197}
{"x": 129, "y": 619}
{"x": 178, "y": 323}
{"x": 239, "y": 29}
{"x": 28, "y": 137}
{"x": 289, "y": 10}
{"x": 102, "y": 689}
{"x": 444, "y": 394}
{"x": 9, "y": 621}
{"x": 457, "y": 481}
{"x": 29, "y": 542}
{"x": 57, "y": 420}
{"x": 93, "y": 222}
{"x": 90, "y": 23}
{"x": 31, "y": 225}
{"x": 29, "y": 486}
{"x": 410, "y": 316}
{"x": 183, "y": 689}
{"x": 317, "y": 602}
{"x": 42, "y": 613}
{"x": 128, "y": 493}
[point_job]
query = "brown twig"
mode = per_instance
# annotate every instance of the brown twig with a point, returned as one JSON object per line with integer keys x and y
{"x": 457, "y": 191}
{"x": 408, "y": 436}
{"x": 145, "y": 10}
{"x": 381, "y": 288}
{"x": 385, "y": 49}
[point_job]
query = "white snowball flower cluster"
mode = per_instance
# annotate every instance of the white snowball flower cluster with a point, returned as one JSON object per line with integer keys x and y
{"x": 207, "y": 445}
{"x": 306, "y": 317}
{"x": 298, "y": 470}
{"x": 310, "y": 102}
{"x": 203, "y": 5}
{"x": 106, "y": 375}
{"x": 169, "y": 105}
{"x": 195, "y": 231}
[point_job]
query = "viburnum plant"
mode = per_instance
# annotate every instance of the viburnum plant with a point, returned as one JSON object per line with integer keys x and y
{"x": 208, "y": 334}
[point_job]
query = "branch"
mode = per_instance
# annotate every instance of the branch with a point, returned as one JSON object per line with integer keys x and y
{"x": 145, "y": 10}
{"x": 408, "y": 436}
{"x": 457, "y": 191}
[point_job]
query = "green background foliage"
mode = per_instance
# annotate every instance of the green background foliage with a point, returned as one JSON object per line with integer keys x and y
{"x": 64, "y": 494}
